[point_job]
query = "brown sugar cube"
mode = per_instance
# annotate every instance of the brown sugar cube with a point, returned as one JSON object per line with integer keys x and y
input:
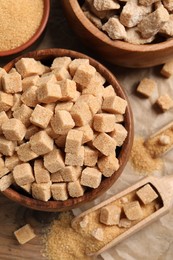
{"x": 31, "y": 130}
{"x": 87, "y": 133}
{"x": 167, "y": 28}
{"x": 40, "y": 173}
{"x": 56, "y": 177}
{"x": 27, "y": 187}
{"x": 106, "y": 5}
{"x": 64, "y": 106}
{"x": 134, "y": 37}
{"x": 30, "y": 81}
{"x": 84, "y": 74}
{"x": 3, "y": 119}
{"x": 50, "y": 132}
{"x": 119, "y": 118}
{"x": 41, "y": 116}
{"x": 108, "y": 92}
{"x": 6, "y": 101}
{"x": 23, "y": 113}
{"x": 110, "y": 215}
{"x": 90, "y": 156}
{"x": 164, "y": 140}
{"x": 146, "y": 87}
{"x": 54, "y": 161}
{"x": 6, "y": 181}
{"x": 168, "y": 5}
{"x": 41, "y": 143}
{"x": 98, "y": 234}
{"x": 75, "y": 159}
{"x": 50, "y": 106}
{"x": 94, "y": 89}
{"x": 165, "y": 102}
{"x": 60, "y": 141}
{"x": 23, "y": 174}
{"x": 105, "y": 144}
{"x": 151, "y": 24}
{"x": 46, "y": 78}
{"x": 41, "y": 191}
{"x": 125, "y": 223}
{"x": 119, "y": 134}
{"x": 14, "y": 129}
{"x": 24, "y": 234}
{"x": 12, "y": 161}
{"x": 68, "y": 89}
{"x": 167, "y": 69}
{"x": 61, "y": 62}
{"x": 3, "y": 171}
{"x": 70, "y": 173}
{"x": 127, "y": 17}
{"x": 108, "y": 165}
{"x": 91, "y": 177}
{"x": 16, "y": 102}
{"x": 115, "y": 105}
{"x": 76, "y": 96}
{"x": 92, "y": 101}
{"x": 6, "y": 146}
{"x": 133, "y": 210}
{"x": 99, "y": 14}
{"x": 81, "y": 113}
{"x": 59, "y": 191}
{"x": 61, "y": 74}
{"x": 147, "y": 194}
{"x": 12, "y": 82}
{"x": 73, "y": 141}
{"x": 62, "y": 122}
{"x": 75, "y": 189}
{"x": 25, "y": 153}
{"x": 84, "y": 222}
{"x": 104, "y": 122}
{"x": 115, "y": 29}
{"x": 147, "y": 2}
{"x": 49, "y": 92}
{"x": 29, "y": 66}
{"x": 75, "y": 64}
{"x": 29, "y": 97}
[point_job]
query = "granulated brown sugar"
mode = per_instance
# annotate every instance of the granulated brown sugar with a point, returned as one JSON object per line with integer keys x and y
{"x": 141, "y": 157}
{"x": 64, "y": 243}
{"x": 19, "y": 21}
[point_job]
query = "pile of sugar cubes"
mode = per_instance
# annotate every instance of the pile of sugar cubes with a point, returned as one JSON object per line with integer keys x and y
{"x": 59, "y": 128}
{"x": 134, "y": 21}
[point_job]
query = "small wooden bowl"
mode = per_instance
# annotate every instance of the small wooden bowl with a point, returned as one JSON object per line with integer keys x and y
{"x": 35, "y": 37}
{"x": 46, "y": 57}
{"x": 116, "y": 52}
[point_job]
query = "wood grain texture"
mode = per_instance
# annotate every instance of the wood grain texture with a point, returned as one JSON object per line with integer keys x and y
{"x": 46, "y": 56}
{"x": 116, "y": 52}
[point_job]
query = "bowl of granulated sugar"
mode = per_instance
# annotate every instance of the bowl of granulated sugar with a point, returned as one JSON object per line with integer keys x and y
{"x": 22, "y": 23}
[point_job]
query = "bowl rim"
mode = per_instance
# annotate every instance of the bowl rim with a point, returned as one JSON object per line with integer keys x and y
{"x": 150, "y": 47}
{"x": 70, "y": 203}
{"x": 36, "y": 35}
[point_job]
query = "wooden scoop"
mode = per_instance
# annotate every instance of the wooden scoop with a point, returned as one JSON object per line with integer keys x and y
{"x": 164, "y": 189}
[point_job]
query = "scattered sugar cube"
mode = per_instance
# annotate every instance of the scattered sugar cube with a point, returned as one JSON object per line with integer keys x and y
{"x": 125, "y": 223}
{"x": 61, "y": 62}
{"x": 6, "y": 101}
{"x": 104, "y": 122}
{"x": 29, "y": 66}
{"x": 12, "y": 82}
{"x": 75, "y": 159}
{"x": 53, "y": 161}
{"x": 59, "y": 191}
{"x": 6, "y": 146}
{"x": 98, "y": 234}
{"x": 165, "y": 102}
{"x": 29, "y": 96}
{"x": 49, "y": 92}
{"x": 68, "y": 89}
{"x": 147, "y": 194}
{"x": 25, "y": 153}
{"x": 30, "y": 81}
{"x": 119, "y": 134}
{"x": 167, "y": 69}
{"x": 84, "y": 222}
{"x": 70, "y": 173}
{"x": 105, "y": 144}
{"x": 40, "y": 173}
{"x": 23, "y": 174}
{"x": 73, "y": 141}
{"x": 24, "y": 234}
{"x": 91, "y": 177}
{"x": 41, "y": 143}
{"x": 3, "y": 119}
{"x": 6, "y": 181}
{"x": 41, "y": 116}
{"x": 12, "y": 161}
{"x": 23, "y": 113}
{"x": 81, "y": 113}
{"x": 110, "y": 215}
{"x": 90, "y": 156}
{"x": 108, "y": 165}
{"x": 75, "y": 189}
{"x": 84, "y": 74}
{"x": 41, "y": 191}
{"x": 14, "y": 130}
{"x": 133, "y": 210}
{"x": 146, "y": 87}
{"x": 62, "y": 122}
{"x": 114, "y": 104}
{"x": 87, "y": 133}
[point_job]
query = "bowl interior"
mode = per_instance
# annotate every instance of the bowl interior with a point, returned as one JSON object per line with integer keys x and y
{"x": 37, "y": 34}
{"x": 46, "y": 57}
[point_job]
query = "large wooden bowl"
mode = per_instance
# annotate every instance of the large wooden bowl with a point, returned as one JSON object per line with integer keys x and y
{"x": 116, "y": 52}
{"x": 46, "y": 56}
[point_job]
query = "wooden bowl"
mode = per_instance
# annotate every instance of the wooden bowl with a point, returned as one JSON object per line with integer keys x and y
{"x": 46, "y": 57}
{"x": 116, "y": 52}
{"x": 35, "y": 37}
